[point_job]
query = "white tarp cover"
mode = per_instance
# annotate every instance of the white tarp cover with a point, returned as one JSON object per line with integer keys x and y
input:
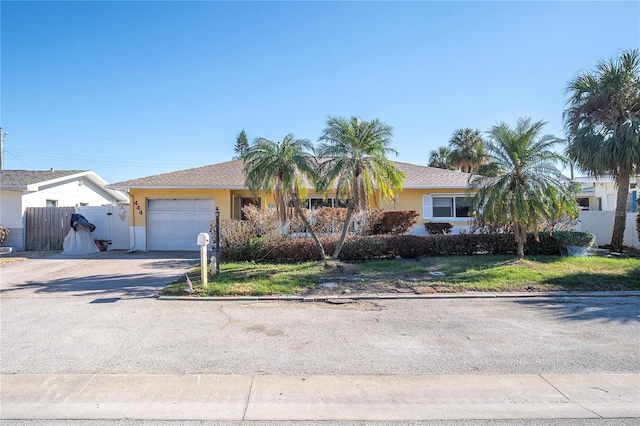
{"x": 79, "y": 242}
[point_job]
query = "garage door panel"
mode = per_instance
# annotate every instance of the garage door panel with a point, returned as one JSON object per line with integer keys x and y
{"x": 174, "y": 224}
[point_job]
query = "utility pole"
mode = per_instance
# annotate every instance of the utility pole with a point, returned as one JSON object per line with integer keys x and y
{"x": 2, "y": 138}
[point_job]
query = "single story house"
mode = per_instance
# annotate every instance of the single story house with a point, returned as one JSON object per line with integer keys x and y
{"x": 169, "y": 210}
{"x": 20, "y": 189}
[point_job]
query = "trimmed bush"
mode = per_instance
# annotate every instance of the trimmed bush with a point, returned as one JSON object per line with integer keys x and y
{"x": 394, "y": 222}
{"x": 364, "y": 248}
{"x": 573, "y": 238}
{"x": 437, "y": 228}
{"x": 240, "y": 242}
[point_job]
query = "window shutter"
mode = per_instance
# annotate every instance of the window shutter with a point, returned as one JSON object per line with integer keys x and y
{"x": 427, "y": 207}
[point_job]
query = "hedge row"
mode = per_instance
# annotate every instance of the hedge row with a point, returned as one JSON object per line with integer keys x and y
{"x": 406, "y": 246}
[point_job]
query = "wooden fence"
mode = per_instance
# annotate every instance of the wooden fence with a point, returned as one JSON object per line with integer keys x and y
{"x": 46, "y": 227}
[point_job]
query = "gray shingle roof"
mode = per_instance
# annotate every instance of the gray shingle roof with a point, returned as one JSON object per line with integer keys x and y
{"x": 426, "y": 177}
{"x": 20, "y": 178}
{"x": 226, "y": 175}
{"x": 229, "y": 175}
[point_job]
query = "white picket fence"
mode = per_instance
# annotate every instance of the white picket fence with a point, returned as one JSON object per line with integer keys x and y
{"x": 600, "y": 224}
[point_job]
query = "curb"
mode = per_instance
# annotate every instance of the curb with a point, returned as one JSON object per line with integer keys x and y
{"x": 405, "y": 296}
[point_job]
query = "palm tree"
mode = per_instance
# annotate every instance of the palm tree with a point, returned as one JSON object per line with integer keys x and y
{"x": 354, "y": 154}
{"x": 603, "y": 122}
{"x": 527, "y": 187}
{"x": 281, "y": 169}
{"x": 467, "y": 150}
{"x": 439, "y": 158}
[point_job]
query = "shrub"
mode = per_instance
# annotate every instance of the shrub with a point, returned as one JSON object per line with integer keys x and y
{"x": 327, "y": 220}
{"x": 232, "y": 233}
{"x": 573, "y": 238}
{"x": 357, "y": 248}
{"x": 364, "y": 248}
{"x": 435, "y": 228}
{"x": 252, "y": 249}
{"x": 264, "y": 223}
{"x": 638, "y": 224}
{"x": 3, "y": 233}
{"x": 408, "y": 246}
{"x": 546, "y": 244}
{"x": 394, "y": 222}
{"x": 294, "y": 249}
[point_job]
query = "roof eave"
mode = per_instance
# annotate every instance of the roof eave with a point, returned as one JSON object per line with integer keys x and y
{"x": 435, "y": 187}
{"x": 126, "y": 187}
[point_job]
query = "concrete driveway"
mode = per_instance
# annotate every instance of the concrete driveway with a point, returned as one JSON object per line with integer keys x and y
{"x": 110, "y": 274}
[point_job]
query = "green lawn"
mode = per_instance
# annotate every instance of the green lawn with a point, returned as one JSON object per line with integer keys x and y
{"x": 462, "y": 273}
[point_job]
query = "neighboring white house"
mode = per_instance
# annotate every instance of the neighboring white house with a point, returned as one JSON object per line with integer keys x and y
{"x": 597, "y": 201}
{"x": 20, "y": 189}
{"x": 601, "y": 194}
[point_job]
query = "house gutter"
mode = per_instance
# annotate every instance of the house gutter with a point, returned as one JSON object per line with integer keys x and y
{"x": 133, "y": 234}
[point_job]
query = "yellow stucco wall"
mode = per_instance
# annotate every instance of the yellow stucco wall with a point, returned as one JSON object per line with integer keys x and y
{"x": 408, "y": 199}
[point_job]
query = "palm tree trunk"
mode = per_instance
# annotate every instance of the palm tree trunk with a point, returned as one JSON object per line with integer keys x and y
{"x": 521, "y": 237}
{"x": 298, "y": 209}
{"x": 620, "y": 220}
{"x": 345, "y": 229}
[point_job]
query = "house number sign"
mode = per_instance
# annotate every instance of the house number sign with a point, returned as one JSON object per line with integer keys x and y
{"x": 138, "y": 208}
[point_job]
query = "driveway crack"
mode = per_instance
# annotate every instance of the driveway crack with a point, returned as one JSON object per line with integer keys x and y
{"x": 248, "y": 398}
{"x": 567, "y": 398}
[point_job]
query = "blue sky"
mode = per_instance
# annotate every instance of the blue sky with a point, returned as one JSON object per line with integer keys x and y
{"x": 131, "y": 89}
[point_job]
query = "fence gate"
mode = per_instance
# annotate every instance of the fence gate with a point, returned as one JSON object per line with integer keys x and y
{"x": 46, "y": 227}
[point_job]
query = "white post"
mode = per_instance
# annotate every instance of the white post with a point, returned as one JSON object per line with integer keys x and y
{"x": 203, "y": 241}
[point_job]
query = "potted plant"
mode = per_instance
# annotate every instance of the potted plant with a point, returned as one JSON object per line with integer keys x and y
{"x": 574, "y": 243}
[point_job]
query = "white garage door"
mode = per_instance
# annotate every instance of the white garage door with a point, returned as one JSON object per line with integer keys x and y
{"x": 175, "y": 224}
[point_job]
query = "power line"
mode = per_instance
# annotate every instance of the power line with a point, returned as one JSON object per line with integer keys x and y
{"x": 11, "y": 154}
{"x": 124, "y": 139}
{"x": 101, "y": 161}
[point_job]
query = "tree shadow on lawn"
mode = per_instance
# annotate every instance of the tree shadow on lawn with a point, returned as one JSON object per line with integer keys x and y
{"x": 593, "y": 281}
{"x": 610, "y": 309}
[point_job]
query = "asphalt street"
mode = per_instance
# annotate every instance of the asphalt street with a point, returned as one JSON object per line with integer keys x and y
{"x": 98, "y": 316}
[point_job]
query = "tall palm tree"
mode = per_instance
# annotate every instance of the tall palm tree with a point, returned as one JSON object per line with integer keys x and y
{"x": 527, "y": 187}
{"x": 467, "y": 150}
{"x": 354, "y": 155}
{"x": 439, "y": 158}
{"x": 603, "y": 122}
{"x": 283, "y": 169}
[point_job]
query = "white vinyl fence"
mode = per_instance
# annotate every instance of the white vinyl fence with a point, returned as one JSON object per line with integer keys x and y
{"x": 112, "y": 224}
{"x": 600, "y": 224}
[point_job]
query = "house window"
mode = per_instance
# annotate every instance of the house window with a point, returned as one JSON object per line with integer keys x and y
{"x": 52, "y": 203}
{"x": 442, "y": 207}
{"x": 317, "y": 203}
{"x": 246, "y": 201}
{"x": 583, "y": 202}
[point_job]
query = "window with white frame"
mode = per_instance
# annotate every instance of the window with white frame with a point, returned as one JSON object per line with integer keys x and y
{"x": 52, "y": 203}
{"x": 445, "y": 207}
{"x": 317, "y": 203}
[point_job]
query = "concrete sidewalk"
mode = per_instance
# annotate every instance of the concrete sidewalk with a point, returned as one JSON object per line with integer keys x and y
{"x": 280, "y": 397}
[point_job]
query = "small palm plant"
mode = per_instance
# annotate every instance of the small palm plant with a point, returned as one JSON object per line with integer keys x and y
{"x": 524, "y": 186}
